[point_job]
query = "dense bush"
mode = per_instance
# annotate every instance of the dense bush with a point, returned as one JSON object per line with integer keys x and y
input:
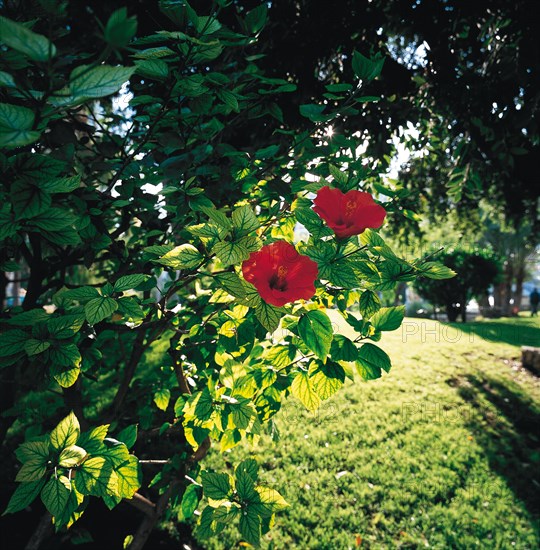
{"x": 165, "y": 305}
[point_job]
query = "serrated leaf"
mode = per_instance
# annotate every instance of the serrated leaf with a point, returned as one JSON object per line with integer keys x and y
{"x": 217, "y": 217}
{"x": 98, "y": 309}
{"x": 129, "y": 477}
{"x": 29, "y": 200}
{"x": 71, "y": 456}
{"x": 53, "y": 219}
{"x": 388, "y": 318}
{"x": 13, "y": 341}
{"x": 65, "y": 326}
{"x": 268, "y": 315}
{"x": 245, "y": 485}
{"x": 216, "y": 485}
{"x": 244, "y": 220}
{"x": 303, "y": 390}
{"x": 65, "y": 375}
{"x": 82, "y": 294}
{"x": 16, "y": 126}
{"x": 96, "y": 477}
{"x": 369, "y": 304}
{"x": 36, "y": 451}
{"x": 269, "y": 502}
{"x": 436, "y": 270}
{"x": 24, "y": 495}
{"x": 66, "y": 432}
{"x": 185, "y": 256}
{"x": 250, "y": 466}
{"x": 343, "y": 349}
{"x": 34, "y": 347}
{"x": 232, "y": 283}
{"x": 28, "y": 318}
{"x": 250, "y": 526}
{"x": 231, "y": 253}
{"x": 315, "y": 329}
{"x": 66, "y": 355}
{"x": 31, "y": 471}
{"x": 36, "y": 46}
{"x": 327, "y": 379}
{"x": 242, "y": 413}
{"x": 371, "y": 359}
{"x": 55, "y": 495}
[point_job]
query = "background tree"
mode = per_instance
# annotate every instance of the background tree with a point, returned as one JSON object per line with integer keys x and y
{"x": 476, "y": 272}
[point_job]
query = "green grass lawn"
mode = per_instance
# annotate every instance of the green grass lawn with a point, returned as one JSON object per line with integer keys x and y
{"x": 442, "y": 452}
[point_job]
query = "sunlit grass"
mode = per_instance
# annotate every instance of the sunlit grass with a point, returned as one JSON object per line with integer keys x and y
{"x": 442, "y": 452}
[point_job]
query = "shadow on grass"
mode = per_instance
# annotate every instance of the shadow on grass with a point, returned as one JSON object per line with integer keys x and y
{"x": 520, "y": 332}
{"x": 508, "y": 429}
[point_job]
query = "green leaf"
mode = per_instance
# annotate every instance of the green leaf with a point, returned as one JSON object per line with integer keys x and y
{"x": 313, "y": 112}
{"x": 71, "y": 456}
{"x": 436, "y": 270}
{"x": 65, "y": 354}
{"x": 16, "y": 126}
{"x": 190, "y": 501}
{"x": 128, "y": 282}
{"x": 343, "y": 349}
{"x": 36, "y": 46}
{"x": 96, "y": 477}
{"x": 87, "y": 82}
{"x": 249, "y": 466}
{"x": 66, "y": 184}
{"x": 31, "y": 471}
{"x": 65, "y": 375}
{"x": 250, "y": 526}
{"x": 35, "y": 451}
{"x": 366, "y": 69}
{"x": 65, "y": 326}
{"x": 232, "y": 283}
{"x": 244, "y": 220}
{"x": 269, "y": 502}
{"x": 231, "y": 253}
{"x": 316, "y": 331}
{"x": 53, "y": 219}
{"x": 371, "y": 359}
{"x": 128, "y": 435}
{"x": 120, "y": 28}
{"x": 161, "y": 398}
{"x": 24, "y": 495}
{"x": 268, "y": 315}
{"x": 34, "y": 347}
{"x": 327, "y": 379}
{"x": 185, "y": 256}
{"x": 129, "y": 477}
{"x": 66, "y": 432}
{"x": 28, "y": 318}
{"x": 7, "y": 80}
{"x": 369, "y": 304}
{"x": 98, "y": 309}
{"x": 152, "y": 68}
{"x": 13, "y": 341}
{"x": 55, "y": 495}
{"x": 245, "y": 485}
{"x": 216, "y": 485}
{"x": 82, "y": 294}
{"x": 28, "y": 200}
{"x": 242, "y": 413}
{"x": 302, "y": 389}
{"x": 217, "y": 217}
{"x": 388, "y": 318}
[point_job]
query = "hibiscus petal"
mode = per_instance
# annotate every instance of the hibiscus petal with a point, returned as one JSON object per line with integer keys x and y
{"x": 328, "y": 204}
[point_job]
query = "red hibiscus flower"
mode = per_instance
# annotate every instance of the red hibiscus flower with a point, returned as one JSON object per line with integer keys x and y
{"x": 280, "y": 274}
{"x": 348, "y": 213}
